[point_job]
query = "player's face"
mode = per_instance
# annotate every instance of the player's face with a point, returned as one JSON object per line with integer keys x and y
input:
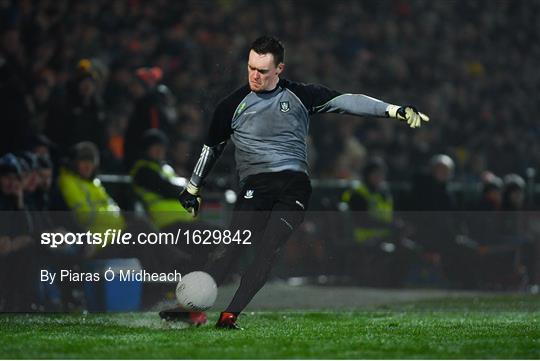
{"x": 263, "y": 74}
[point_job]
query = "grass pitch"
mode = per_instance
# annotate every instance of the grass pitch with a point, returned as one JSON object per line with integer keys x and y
{"x": 498, "y": 327}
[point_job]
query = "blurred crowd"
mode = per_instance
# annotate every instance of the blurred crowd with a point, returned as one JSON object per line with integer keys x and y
{"x": 427, "y": 238}
{"x": 90, "y": 87}
{"x": 471, "y": 65}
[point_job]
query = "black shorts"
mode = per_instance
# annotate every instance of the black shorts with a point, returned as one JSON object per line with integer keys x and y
{"x": 269, "y": 206}
{"x": 262, "y": 192}
{"x": 274, "y": 193}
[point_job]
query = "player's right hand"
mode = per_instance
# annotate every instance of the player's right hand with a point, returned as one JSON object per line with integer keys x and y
{"x": 190, "y": 199}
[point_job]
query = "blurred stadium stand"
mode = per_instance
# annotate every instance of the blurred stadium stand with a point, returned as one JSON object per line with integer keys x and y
{"x": 74, "y": 71}
{"x": 470, "y": 64}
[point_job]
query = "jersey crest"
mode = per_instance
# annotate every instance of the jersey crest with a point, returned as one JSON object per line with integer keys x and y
{"x": 284, "y": 106}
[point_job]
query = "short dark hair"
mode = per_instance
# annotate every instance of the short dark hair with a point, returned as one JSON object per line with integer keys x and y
{"x": 269, "y": 45}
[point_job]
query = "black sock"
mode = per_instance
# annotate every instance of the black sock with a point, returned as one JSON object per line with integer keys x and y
{"x": 280, "y": 227}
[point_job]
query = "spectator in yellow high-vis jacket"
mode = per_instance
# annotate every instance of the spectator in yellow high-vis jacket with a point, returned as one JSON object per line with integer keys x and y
{"x": 84, "y": 194}
{"x": 95, "y": 211}
{"x": 154, "y": 183}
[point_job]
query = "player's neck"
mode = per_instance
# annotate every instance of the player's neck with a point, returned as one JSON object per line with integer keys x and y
{"x": 271, "y": 87}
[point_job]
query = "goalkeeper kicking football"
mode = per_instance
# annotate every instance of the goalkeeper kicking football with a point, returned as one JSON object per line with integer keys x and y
{"x": 267, "y": 120}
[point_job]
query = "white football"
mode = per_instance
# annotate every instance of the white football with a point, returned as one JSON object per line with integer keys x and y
{"x": 197, "y": 291}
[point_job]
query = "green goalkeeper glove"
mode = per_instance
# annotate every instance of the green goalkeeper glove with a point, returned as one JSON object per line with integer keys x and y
{"x": 190, "y": 199}
{"x": 407, "y": 113}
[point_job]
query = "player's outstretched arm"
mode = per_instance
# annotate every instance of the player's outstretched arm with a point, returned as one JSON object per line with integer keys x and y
{"x": 320, "y": 99}
{"x": 363, "y": 105}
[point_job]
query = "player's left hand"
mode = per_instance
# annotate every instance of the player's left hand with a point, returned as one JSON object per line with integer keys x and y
{"x": 407, "y": 113}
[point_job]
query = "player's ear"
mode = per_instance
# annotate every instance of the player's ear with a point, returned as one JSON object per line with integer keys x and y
{"x": 280, "y": 68}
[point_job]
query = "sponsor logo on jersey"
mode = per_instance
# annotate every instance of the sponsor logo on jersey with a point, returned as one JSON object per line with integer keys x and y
{"x": 249, "y": 194}
{"x": 284, "y": 107}
{"x": 241, "y": 108}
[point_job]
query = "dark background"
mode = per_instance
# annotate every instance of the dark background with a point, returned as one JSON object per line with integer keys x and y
{"x": 68, "y": 69}
{"x": 470, "y": 65}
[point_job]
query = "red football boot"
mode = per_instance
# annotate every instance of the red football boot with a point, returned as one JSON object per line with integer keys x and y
{"x": 178, "y": 314}
{"x": 227, "y": 320}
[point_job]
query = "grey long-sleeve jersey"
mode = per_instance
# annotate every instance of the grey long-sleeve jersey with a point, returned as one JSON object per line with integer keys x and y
{"x": 269, "y": 129}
